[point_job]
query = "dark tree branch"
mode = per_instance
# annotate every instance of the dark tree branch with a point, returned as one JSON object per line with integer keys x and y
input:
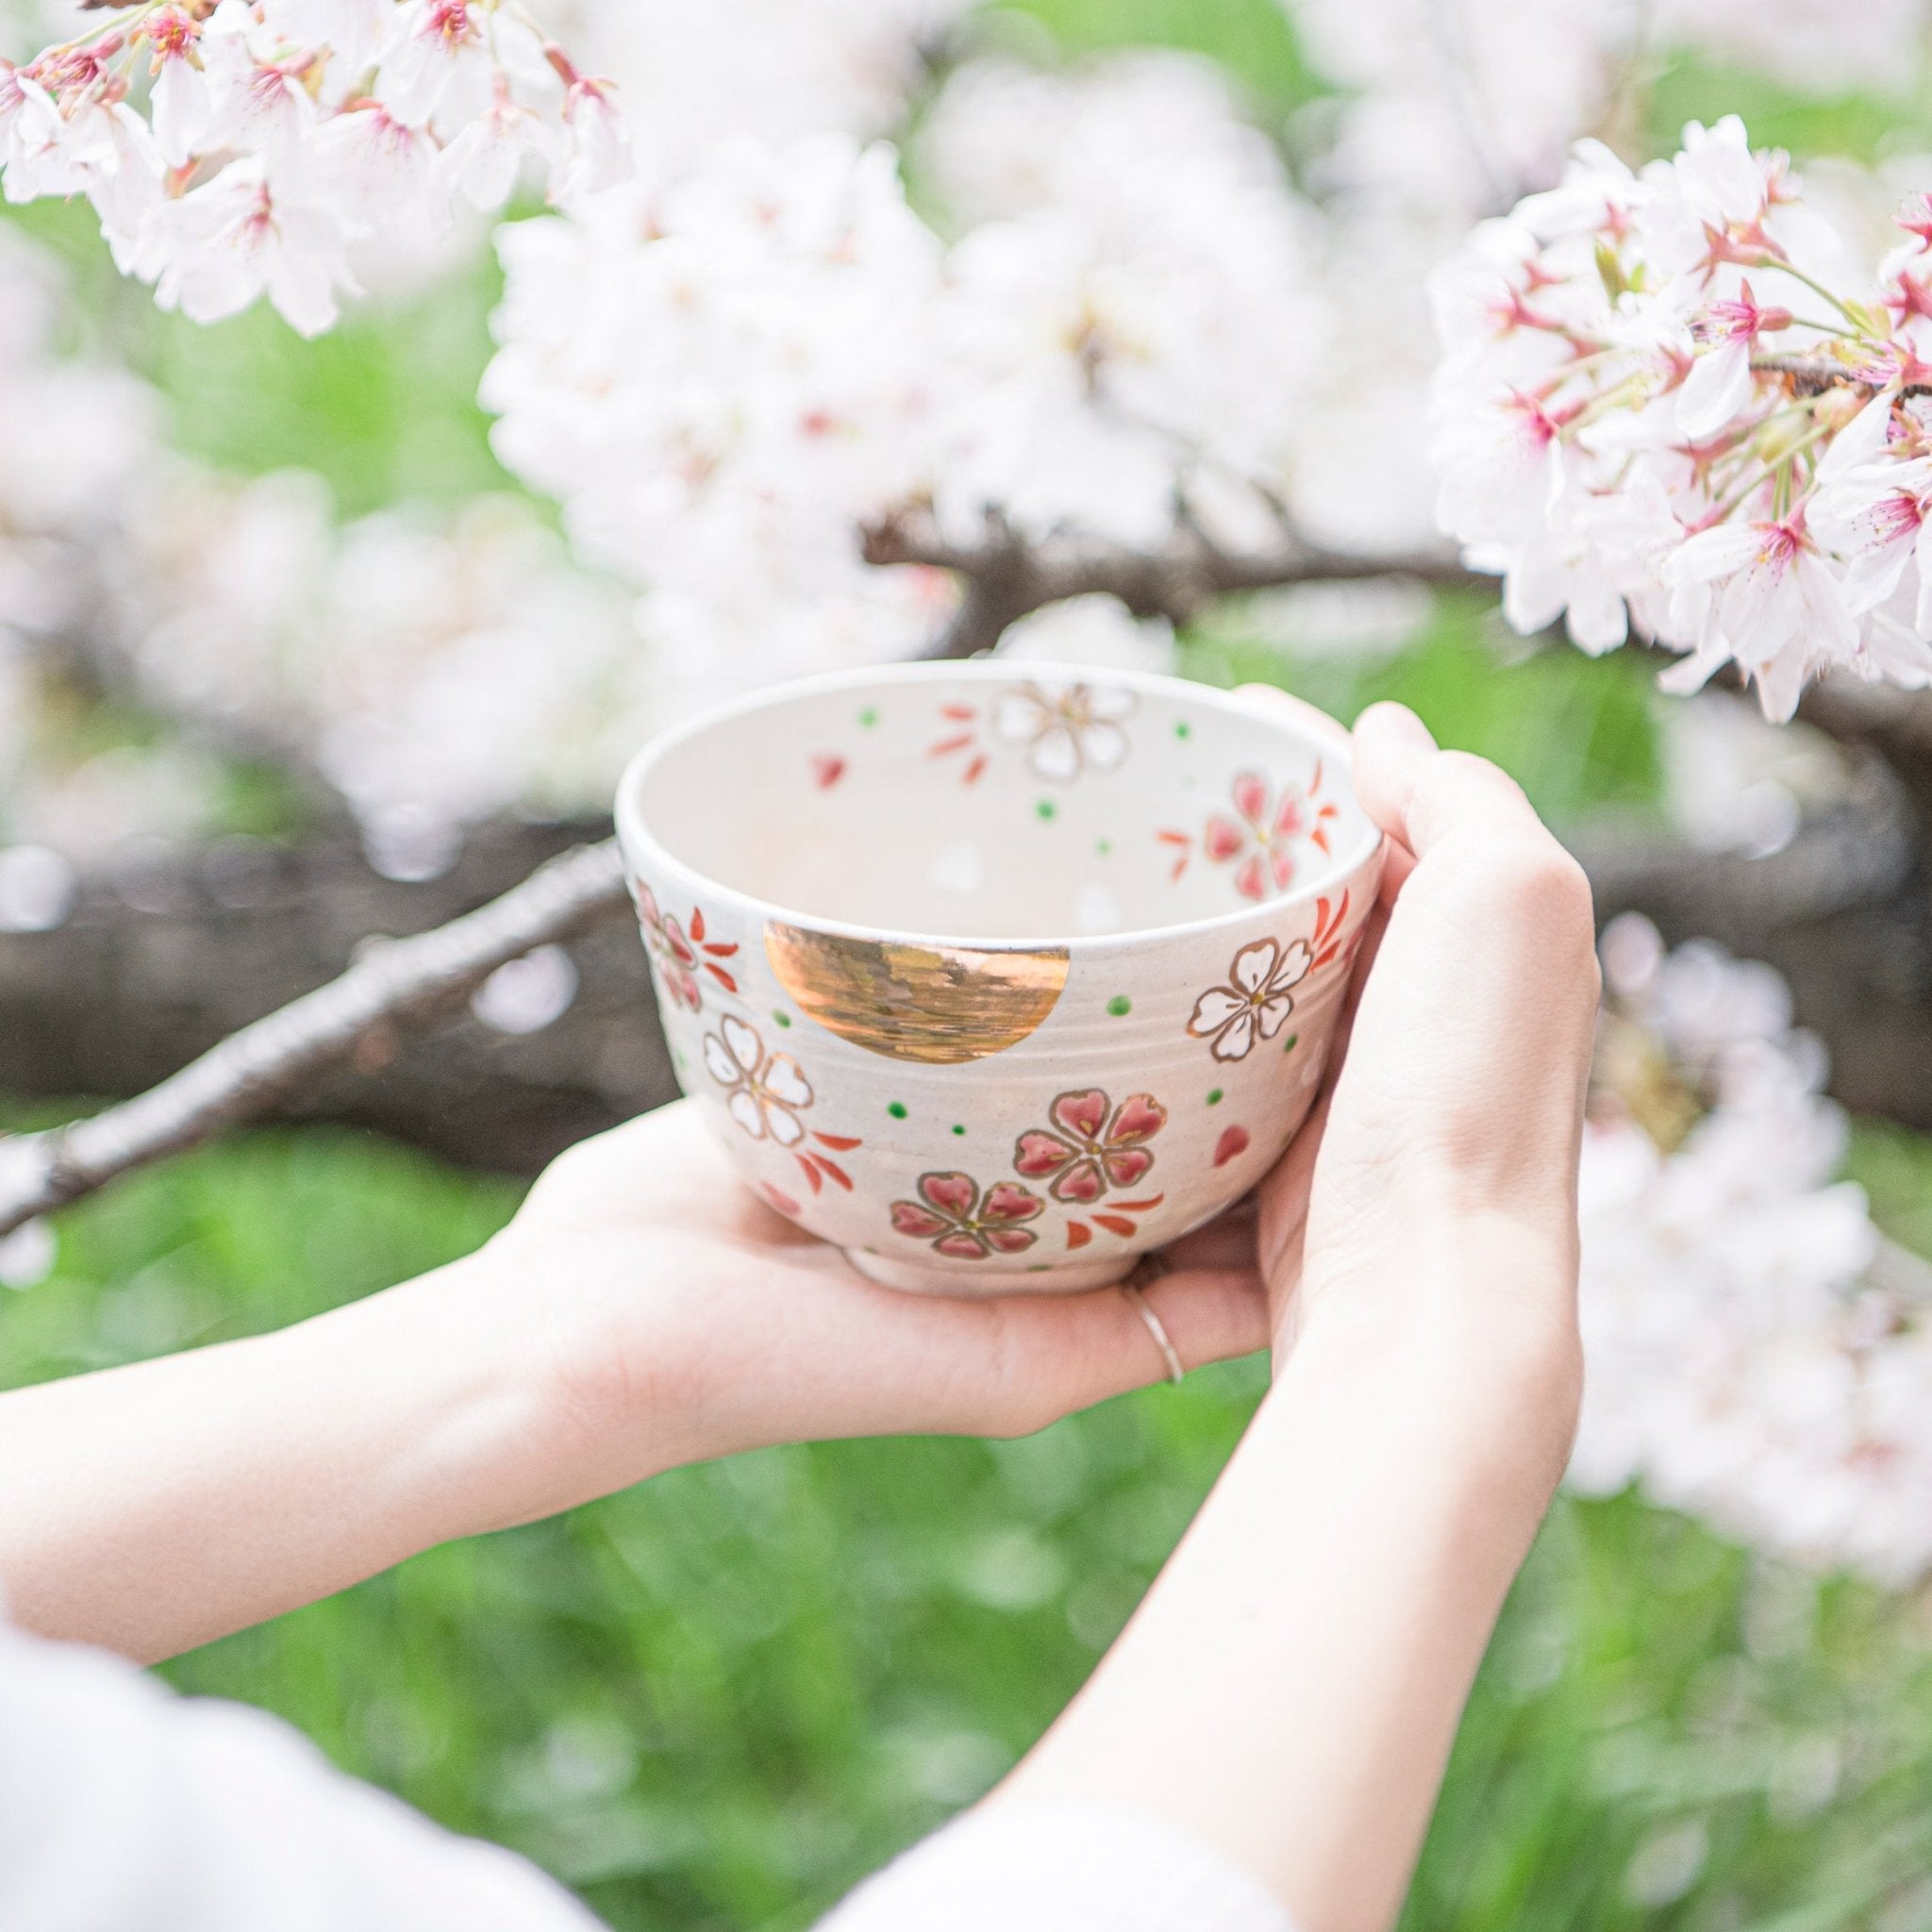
{"x": 1008, "y": 576}
{"x": 392, "y": 983}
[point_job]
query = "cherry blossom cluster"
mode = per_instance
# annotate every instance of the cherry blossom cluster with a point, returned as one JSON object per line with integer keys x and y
{"x": 1667, "y": 402}
{"x": 1459, "y": 106}
{"x": 1755, "y": 1354}
{"x": 724, "y": 374}
{"x": 433, "y": 671}
{"x": 240, "y": 148}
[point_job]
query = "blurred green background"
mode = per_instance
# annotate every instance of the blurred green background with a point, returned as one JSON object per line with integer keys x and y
{"x": 717, "y": 1701}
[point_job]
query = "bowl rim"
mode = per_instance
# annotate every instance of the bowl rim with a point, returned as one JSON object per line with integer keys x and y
{"x": 636, "y": 837}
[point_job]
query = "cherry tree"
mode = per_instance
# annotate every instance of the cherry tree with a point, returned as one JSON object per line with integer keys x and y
{"x": 840, "y": 331}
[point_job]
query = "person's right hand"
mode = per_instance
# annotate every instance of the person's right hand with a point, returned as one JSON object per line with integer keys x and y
{"x": 1431, "y": 1204}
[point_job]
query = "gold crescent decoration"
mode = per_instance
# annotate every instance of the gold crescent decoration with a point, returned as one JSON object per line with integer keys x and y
{"x": 939, "y": 1005}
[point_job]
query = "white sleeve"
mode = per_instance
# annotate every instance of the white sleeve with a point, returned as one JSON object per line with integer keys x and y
{"x": 1060, "y": 1868}
{"x": 125, "y": 1809}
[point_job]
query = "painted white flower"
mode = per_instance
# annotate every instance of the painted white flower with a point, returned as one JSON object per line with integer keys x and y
{"x": 1068, "y": 730}
{"x": 766, "y": 1091}
{"x": 1255, "y": 1002}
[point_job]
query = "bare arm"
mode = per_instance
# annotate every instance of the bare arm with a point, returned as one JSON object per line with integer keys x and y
{"x": 642, "y": 1311}
{"x": 1289, "y": 1689}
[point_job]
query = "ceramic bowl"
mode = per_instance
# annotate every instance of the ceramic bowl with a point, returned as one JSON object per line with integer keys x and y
{"x": 998, "y": 977}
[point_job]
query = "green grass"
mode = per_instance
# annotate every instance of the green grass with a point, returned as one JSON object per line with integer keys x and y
{"x": 716, "y": 1701}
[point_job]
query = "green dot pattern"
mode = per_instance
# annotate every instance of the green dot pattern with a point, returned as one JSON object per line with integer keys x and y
{"x": 868, "y": 717}
{"x": 783, "y": 1018}
{"x": 1183, "y": 730}
{"x": 1120, "y": 1005}
{"x": 959, "y": 1129}
{"x": 1214, "y": 1098}
{"x": 1047, "y": 808}
{"x": 1103, "y": 847}
{"x": 1288, "y": 1045}
{"x": 898, "y": 1109}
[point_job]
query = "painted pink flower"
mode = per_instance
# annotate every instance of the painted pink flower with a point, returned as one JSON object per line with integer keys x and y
{"x": 1255, "y": 1002}
{"x": 1261, "y": 836}
{"x": 1091, "y": 1152}
{"x": 952, "y": 1214}
{"x": 767, "y": 1092}
{"x": 678, "y": 956}
{"x": 674, "y": 954}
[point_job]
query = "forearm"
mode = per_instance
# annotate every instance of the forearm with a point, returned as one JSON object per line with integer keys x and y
{"x": 1291, "y": 1688}
{"x": 153, "y": 1507}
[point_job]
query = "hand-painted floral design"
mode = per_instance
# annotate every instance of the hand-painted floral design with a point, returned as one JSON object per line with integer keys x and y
{"x": 1089, "y": 1149}
{"x": 965, "y": 1225}
{"x": 1067, "y": 731}
{"x": 1258, "y": 842}
{"x": 768, "y": 1092}
{"x": 680, "y": 959}
{"x": 1257, "y": 1000}
{"x": 1261, "y": 840}
{"x": 1329, "y": 919}
{"x": 962, "y": 736}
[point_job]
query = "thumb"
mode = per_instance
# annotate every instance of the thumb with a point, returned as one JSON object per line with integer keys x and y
{"x": 1420, "y": 795}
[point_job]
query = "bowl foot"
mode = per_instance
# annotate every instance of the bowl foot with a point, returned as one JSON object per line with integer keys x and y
{"x": 976, "y": 1285}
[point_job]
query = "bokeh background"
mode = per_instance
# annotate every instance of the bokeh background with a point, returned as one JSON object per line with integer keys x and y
{"x": 718, "y": 1701}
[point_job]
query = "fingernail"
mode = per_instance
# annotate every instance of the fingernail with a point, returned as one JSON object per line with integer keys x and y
{"x": 1402, "y": 723}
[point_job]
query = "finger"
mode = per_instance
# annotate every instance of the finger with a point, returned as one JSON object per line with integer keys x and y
{"x": 1100, "y": 1346}
{"x": 1226, "y": 1242}
{"x": 1421, "y": 795}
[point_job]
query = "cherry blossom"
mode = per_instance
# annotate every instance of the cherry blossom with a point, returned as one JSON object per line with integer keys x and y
{"x": 1092, "y": 1145}
{"x": 1066, "y": 731}
{"x": 1752, "y": 1346}
{"x": 1622, "y": 432}
{"x": 766, "y": 1092}
{"x": 1257, "y": 1000}
{"x": 1261, "y": 836}
{"x": 280, "y": 136}
{"x": 964, "y": 1224}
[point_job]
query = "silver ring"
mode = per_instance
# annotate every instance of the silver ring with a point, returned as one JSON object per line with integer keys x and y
{"x": 1177, "y": 1369}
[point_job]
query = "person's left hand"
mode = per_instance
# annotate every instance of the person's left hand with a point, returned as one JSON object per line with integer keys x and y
{"x": 669, "y": 1316}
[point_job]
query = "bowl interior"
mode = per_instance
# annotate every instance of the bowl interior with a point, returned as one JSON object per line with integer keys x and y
{"x": 988, "y": 802}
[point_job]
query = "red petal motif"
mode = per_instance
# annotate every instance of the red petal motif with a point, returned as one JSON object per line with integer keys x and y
{"x": 1082, "y": 1182}
{"x": 953, "y": 1194}
{"x": 1251, "y": 796}
{"x": 1012, "y": 1240}
{"x": 1223, "y": 838}
{"x": 1037, "y": 1155}
{"x": 1007, "y": 1201}
{"x": 909, "y": 1218}
{"x": 1141, "y": 1117}
{"x": 1081, "y": 1113}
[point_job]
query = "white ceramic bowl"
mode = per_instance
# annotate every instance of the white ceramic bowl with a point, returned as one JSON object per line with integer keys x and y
{"x": 998, "y": 977}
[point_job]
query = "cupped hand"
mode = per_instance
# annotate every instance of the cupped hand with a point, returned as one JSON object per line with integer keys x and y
{"x": 676, "y": 1318}
{"x": 1430, "y": 1205}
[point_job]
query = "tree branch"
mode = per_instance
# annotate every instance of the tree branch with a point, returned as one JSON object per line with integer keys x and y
{"x": 1009, "y": 576}
{"x": 393, "y": 981}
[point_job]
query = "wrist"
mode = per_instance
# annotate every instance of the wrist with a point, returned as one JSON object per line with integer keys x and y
{"x": 1473, "y": 1346}
{"x": 454, "y": 1421}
